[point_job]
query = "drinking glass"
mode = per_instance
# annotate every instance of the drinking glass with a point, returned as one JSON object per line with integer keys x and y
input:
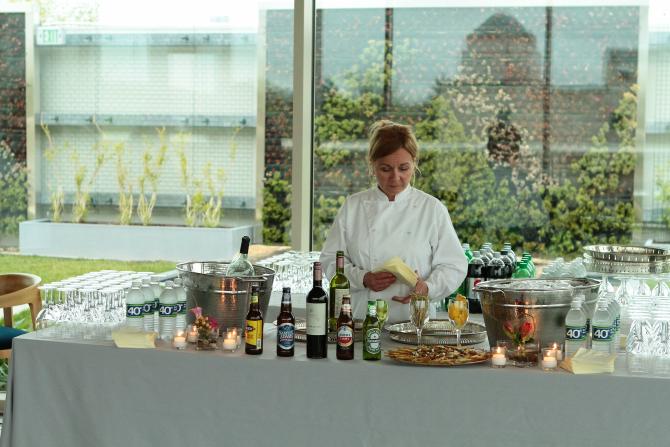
{"x": 458, "y": 311}
{"x": 382, "y": 312}
{"x": 418, "y": 313}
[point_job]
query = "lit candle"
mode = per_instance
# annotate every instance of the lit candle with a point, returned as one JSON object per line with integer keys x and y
{"x": 559, "y": 353}
{"x": 192, "y": 336}
{"x": 237, "y": 336}
{"x": 179, "y": 341}
{"x": 549, "y": 361}
{"x": 498, "y": 358}
{"x": 229, "y": 344}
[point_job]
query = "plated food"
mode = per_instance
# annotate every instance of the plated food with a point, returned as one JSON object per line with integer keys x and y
{"x": 438, "y": 355}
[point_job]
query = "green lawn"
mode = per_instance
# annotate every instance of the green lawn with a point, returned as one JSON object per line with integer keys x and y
{"x": 55, "y": 269}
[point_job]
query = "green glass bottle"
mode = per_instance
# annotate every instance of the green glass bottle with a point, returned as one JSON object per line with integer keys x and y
{"x": 339, "y": 287}
{"x": 372, "y": 347}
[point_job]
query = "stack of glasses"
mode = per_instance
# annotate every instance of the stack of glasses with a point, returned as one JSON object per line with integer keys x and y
{"x": 88, "y": 306}
{"x": 292, "y": 269}
{"x": 558, "y": 268}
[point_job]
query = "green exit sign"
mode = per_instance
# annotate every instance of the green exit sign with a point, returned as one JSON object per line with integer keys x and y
{"x": 50, "y": 36}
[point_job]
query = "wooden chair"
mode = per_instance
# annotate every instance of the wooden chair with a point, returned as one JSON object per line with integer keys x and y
{"x": 17, "y": 289}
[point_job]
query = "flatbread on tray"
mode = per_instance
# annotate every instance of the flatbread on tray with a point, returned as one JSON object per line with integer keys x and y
{"x": 438, "y": 355}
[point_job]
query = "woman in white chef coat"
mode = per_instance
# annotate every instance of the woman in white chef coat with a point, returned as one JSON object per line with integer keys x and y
{"x": 394, "y": 219}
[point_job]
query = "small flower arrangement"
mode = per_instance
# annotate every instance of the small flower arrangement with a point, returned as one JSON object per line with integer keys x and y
{"x": 205, "y": 326}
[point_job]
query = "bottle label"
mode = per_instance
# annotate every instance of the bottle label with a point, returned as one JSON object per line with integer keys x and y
{"x": 316, "y": 319}
{"x": 373, "y": 340}
{"x": 286, "y": 336}
{"x": 575, "y": 333}
{"x": 156, "y": 305}
{"x": 254, "y": 333}
{"x": 134, "y": 310}
{"x": 345, "y": 336}
{"x": 167, "y": 310}
{"x": 148, "y": 308}
{"x": 601, "y": 333}
{"x": 339, "y": 293}
{"x": 471, "y": 284}
{"x": 181, "y": 307}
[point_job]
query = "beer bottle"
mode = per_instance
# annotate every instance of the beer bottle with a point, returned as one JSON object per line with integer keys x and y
{"x": 372, "y": 334}
{"x": 285, "y": 326}
{"x": 339, "y": 286}
{"x": 345, "y": 331}
{"x": 254, "y": 326}
{"x": 317, "y": 318}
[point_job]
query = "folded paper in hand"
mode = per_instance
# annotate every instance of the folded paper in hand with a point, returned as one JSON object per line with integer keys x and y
{"x": 588, "y": 361}
{"x": 400, "y": 270}
{"x": 127, "y": 337}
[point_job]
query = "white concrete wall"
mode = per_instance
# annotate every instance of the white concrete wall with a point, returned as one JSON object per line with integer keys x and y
{"x": 205, "y": 81}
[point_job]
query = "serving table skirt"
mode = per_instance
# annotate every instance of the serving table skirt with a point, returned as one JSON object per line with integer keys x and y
{"x": 66, "y": 393}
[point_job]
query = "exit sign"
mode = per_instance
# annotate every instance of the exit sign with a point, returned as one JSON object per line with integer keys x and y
{"x": 50, "y": 36}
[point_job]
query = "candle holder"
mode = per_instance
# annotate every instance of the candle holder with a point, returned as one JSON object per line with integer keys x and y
{"x": 230, "y": 341}
{"x": 524, "y": 355}
{"x": 549, "y": 361}
{"x": 558, "y": 347}
{"x": 191, "y": 334}
{"x": 238, "y": 335}
{"x": 179, "y": 341}
{"x": 498, "y": 357}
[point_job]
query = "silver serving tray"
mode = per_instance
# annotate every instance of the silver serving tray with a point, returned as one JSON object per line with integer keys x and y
{"x": 613, "y": 267}
{"x": 437, "y": 332}
{"x": 626, "y": 253}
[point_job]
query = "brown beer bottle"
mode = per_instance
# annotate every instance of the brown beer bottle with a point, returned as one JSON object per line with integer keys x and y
{"x": 286, "y": 326}
{"x": 345, "y": 331}
{"x": 254, "y": 326}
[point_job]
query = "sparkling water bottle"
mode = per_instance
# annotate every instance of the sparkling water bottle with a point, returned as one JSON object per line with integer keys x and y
{"x": 602, "y": 328}
{"x": 135, "y": 306}
{"x": 148, "y": 309}
{"x": 575, "y": 327}
{"x": 181, "y": 305}
{"x": 167, "y": 311}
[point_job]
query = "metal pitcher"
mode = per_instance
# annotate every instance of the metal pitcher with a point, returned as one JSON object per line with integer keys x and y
{"x": 224, "y": 298}
{"x": 539, "y": 305}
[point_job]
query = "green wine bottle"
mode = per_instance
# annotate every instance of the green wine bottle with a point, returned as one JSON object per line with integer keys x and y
{"x": 339, "y": 287}
{"x": 372, "y": 346}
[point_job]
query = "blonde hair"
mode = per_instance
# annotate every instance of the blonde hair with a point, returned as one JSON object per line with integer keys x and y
{"x": 386, "y": 137}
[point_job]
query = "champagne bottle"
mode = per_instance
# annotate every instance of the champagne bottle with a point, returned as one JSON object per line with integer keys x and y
{"x": 345, "y": 331}
{"x": 240, "y": 265}
{"x": 286, "y": 326}
{"x": 317, "y": 318}
{"x": 339, "y": 287}
{"x": 372, "y": 349}
{"x": 254, "y": 326}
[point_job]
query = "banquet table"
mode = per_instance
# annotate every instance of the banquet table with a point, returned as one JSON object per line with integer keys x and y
{"x": 90, "y": 393}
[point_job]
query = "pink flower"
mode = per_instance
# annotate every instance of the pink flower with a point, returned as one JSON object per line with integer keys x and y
{"x": 197, "y": 311}
{"x": 508, "y": 329}
{"x": 213, "y": 323}
{"x": 527, "y": 330}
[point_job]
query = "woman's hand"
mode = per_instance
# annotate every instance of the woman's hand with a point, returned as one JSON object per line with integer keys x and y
{"x": 420, "y": 288}
{"x": 378, "y": 281}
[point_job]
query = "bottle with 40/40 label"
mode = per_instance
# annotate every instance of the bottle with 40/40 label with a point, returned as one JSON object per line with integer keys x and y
{"x": 286, "y": 326}
{"x": 372, "y": 349}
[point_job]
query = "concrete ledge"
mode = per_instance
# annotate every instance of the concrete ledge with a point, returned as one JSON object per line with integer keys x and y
{"x": 131, "y": 242}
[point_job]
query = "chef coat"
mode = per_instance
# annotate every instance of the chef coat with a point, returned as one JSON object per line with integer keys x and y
{"x": 416, "y": 226}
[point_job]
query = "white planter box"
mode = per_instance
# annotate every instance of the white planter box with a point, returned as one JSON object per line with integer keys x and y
{"x": 130, "y": 242}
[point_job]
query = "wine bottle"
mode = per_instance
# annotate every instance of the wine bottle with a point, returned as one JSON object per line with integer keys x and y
{"x": 317, "y": 318}
{"x": 339, "y": 286}
{"x": 240, "y": 265}
{"x": 286, "y": 326}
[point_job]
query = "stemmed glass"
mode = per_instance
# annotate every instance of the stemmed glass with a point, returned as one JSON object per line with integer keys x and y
{"x": 418, "y": 313}
{"x": 382, "y": 312}
{"x": 458, "y": 315}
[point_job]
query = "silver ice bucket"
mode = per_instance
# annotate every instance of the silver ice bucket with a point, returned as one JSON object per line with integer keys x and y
{"x": 533, "y": 309}
{"x": 224, "y": 298}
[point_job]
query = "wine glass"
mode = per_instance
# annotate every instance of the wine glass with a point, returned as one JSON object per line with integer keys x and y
{"x": 418, "y": 313}
{"x": 382, "y": 312}
{"x": 458, "y": 315}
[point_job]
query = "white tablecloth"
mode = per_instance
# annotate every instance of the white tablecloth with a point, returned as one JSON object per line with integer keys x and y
{"x": 94, "y": 394}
